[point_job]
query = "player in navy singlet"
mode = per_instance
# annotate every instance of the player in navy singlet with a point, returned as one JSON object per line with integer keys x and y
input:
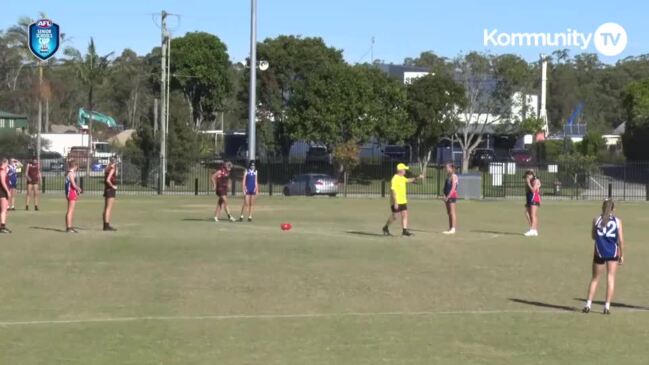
{"x": 5, "y": 194}
{"x": 72, "y": 192}
{"x": 110, "y": 191}
{"x": 12, "y": 174}
{"x": 251, "y": 189}
{"x": 608, "y": 253}
{"x": 532, "y": 202}
{"x": 33, "y": 176}
{"x": 450, "y": 197}
{"x": 221, "y": 184}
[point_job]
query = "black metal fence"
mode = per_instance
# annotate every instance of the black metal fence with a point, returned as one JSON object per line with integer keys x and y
{"x": 628, "y": 181}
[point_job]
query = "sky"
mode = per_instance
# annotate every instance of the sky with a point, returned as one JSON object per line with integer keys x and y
{"x": 401, "y": 29}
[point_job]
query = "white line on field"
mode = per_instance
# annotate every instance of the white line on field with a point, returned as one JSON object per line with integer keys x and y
{"x": 229, "y": 317}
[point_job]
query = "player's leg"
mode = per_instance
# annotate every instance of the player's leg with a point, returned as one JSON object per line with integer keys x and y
{"x": 243, "y": 206}
{"x": 534, "y": 212}
{"x": 37, "y": 196}
{"x": 69, "y": 215}
{"x": 528, "y": 216}
{"x": 217, "y": 210}
{"x": 12, "y": 203}
{"x": 452, "y": 218}
{"x": 404, "y": 223}
{"x": 4, "y": 206}
{"x": 251, "y": 205}
{"x": 598, "y": 269}
{"x": 610, "y": 284}
{"x": 29, "y": 191}
{"x": 391, "y": 219}
{"x": 108, "y": 213}
{"x": 226, "y": 208}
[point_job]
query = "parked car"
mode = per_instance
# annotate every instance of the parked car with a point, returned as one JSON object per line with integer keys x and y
{"x": 318, "y": 154}
{"x": 312, "y": 184}
{"x": 522, "y": 157}
{"x": 52, "y": 161}
{"x": 397, "y": 153}
{"x": 79, "y": 154}
{"x": 482, "y": 157}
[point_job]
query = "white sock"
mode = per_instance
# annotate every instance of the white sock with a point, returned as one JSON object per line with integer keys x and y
{"x": 589, "y": 303}
{"x": 607, "y": 305}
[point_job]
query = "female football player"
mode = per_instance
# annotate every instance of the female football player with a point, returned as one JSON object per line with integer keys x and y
{"x": 251, "y": 188}
{"x": 72, "y": 192}
{"x": 110, "y": 191}
{"x": 607, "y": 233}
{"x": 532, "y": 202}
{"x": 33, "y": 176}
{"x": 450, "y": 197}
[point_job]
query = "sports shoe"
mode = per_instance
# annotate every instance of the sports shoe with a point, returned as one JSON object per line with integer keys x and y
{"x": 36, "y": 208}
{"x": 531, "y": 233}
{"x": 12, "y": 208}
{"x": 241, "y": 219}
{"x": 406, "y": 233}
{"x": 386, "y": 231}
{"x": 5, "y": 230}
{"x": 249, "y": 219}
{"x": 232, "y": 219}
{"x": 71, "y": 230}
{"x": 450, "y": 231}
{"x": 26, "y": 207}
{"x": 216, "y": 219}
{"x": 586, "y": 310}
{"x": 606, "y": 311}
{"x": 110, "y": 228}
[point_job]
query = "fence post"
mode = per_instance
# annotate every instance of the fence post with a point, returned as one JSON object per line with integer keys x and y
{"x": 43, "y": 185}
{"x": 270, "y": 188}
{"x": 196, "y": 186}
{"x": 610, "y": 190}
{"x": 81, "y": 181}
{"x": 383, "y": 188}
{"x": 234, "y": 186}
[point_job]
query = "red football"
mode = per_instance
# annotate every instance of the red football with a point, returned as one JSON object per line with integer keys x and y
{"x": 286, "y": 226}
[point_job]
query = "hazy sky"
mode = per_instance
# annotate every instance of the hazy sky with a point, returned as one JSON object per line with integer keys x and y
{"x": 401, "y": 28}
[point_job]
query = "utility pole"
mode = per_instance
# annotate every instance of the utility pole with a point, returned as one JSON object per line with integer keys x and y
{"x": 163, "y": 105}
{"x": 543, "y": 113}
{"x": 372, "y": 51}
{"x": 252, "y": 115}
{"x": 156, "y": 110}
{"x": 40, "y": 112}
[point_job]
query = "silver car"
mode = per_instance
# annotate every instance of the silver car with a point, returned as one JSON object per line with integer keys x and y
{"x": 312, "y": 184}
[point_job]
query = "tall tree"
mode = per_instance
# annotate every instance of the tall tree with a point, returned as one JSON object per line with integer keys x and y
{"x": 433, "y": 104}
{"x": 292, "y": 59}
{"x": 200, "y": 67}
{"x": 636, "y": 135}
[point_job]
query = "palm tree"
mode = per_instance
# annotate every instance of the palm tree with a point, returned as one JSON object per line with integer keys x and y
{"x": 91, "y": 70}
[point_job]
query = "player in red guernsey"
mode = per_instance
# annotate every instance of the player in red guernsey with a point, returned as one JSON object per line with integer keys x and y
{"x": 5, "y": 195}
{"x": 110, "y": 191}
{"x": 33, "y": 176}
{"x": 221, "y": 183}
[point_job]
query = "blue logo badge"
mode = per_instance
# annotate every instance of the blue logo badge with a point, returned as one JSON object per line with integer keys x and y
{"x": 44, "y": 38}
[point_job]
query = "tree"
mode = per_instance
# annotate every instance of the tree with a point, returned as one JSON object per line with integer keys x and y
{"x": 91, "y": 70}
{"x": 200, "y": 66}
{"x": 483, "y": 104}
{"x": 636, "y": 135}
{"x": 292, "y": 60}
{"x": 431, "y": 61}
{"x": 341, "y": 105}
{"x": 433, "y": 104}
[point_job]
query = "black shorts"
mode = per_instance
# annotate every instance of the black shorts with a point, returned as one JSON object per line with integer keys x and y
{"x": 400, "y": 208}
{"x": 221, "y": 193}
{"x": 532, "y": 204}
{"x": 602, "y": 260}
{"x": 110, "y": 193}
{"x": 3, "y": 194}
{"x": 451, "y": 200}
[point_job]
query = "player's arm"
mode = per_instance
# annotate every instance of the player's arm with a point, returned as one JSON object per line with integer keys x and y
{"x": 256, "y": 184}
{"x": 393, "y": 197}
{"x": 29, "y": 166}
{"x": 215, "y": 176}
{"x": 109, "y": 179}
{"x": 38, "y": 173}
{"x": 453, "y": 184}
{"x": 243, "y": 181}
{"x": 593, "y": 231}
{"x": 537, "y": 185}
{"x": 413, "y": 179}
{"x": 528, "y": 180}
{"x": 620, "y": 240}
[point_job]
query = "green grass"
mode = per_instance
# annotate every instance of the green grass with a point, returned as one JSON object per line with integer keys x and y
{"x": 171, "y": 287}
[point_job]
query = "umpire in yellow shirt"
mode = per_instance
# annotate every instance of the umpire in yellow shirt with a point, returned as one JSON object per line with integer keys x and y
{"x": 399, "y": 199}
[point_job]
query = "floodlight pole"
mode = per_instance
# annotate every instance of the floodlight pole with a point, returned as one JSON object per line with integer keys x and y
{"x": 252, "y": 109}
{"x": 543, "y": 113}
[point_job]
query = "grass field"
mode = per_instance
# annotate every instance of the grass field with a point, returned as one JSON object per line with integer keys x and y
{"x": 172, "y": 287}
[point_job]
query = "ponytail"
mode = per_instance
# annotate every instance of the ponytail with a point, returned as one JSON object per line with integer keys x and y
{"x": 607, "y": 208}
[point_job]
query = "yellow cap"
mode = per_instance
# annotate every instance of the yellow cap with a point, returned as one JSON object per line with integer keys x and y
{"x": 402, "y": 166}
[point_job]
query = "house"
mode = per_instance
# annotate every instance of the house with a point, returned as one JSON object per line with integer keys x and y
{"x": 405, "y": 74}
{"x": 13, "y": 123}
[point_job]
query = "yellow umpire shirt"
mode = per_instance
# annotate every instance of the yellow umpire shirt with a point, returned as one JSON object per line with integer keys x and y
{"x": 398, "y": 185}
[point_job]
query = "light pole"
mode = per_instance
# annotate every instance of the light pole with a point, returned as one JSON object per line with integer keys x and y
{"x": 252, "y": 112}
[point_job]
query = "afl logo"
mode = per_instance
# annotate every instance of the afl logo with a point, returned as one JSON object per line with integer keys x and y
{"x": 44, "y": 23}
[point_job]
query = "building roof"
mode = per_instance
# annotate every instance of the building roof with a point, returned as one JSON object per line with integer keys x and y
{"x": 7, "y": 115}
{"x": 620, "y": 129}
